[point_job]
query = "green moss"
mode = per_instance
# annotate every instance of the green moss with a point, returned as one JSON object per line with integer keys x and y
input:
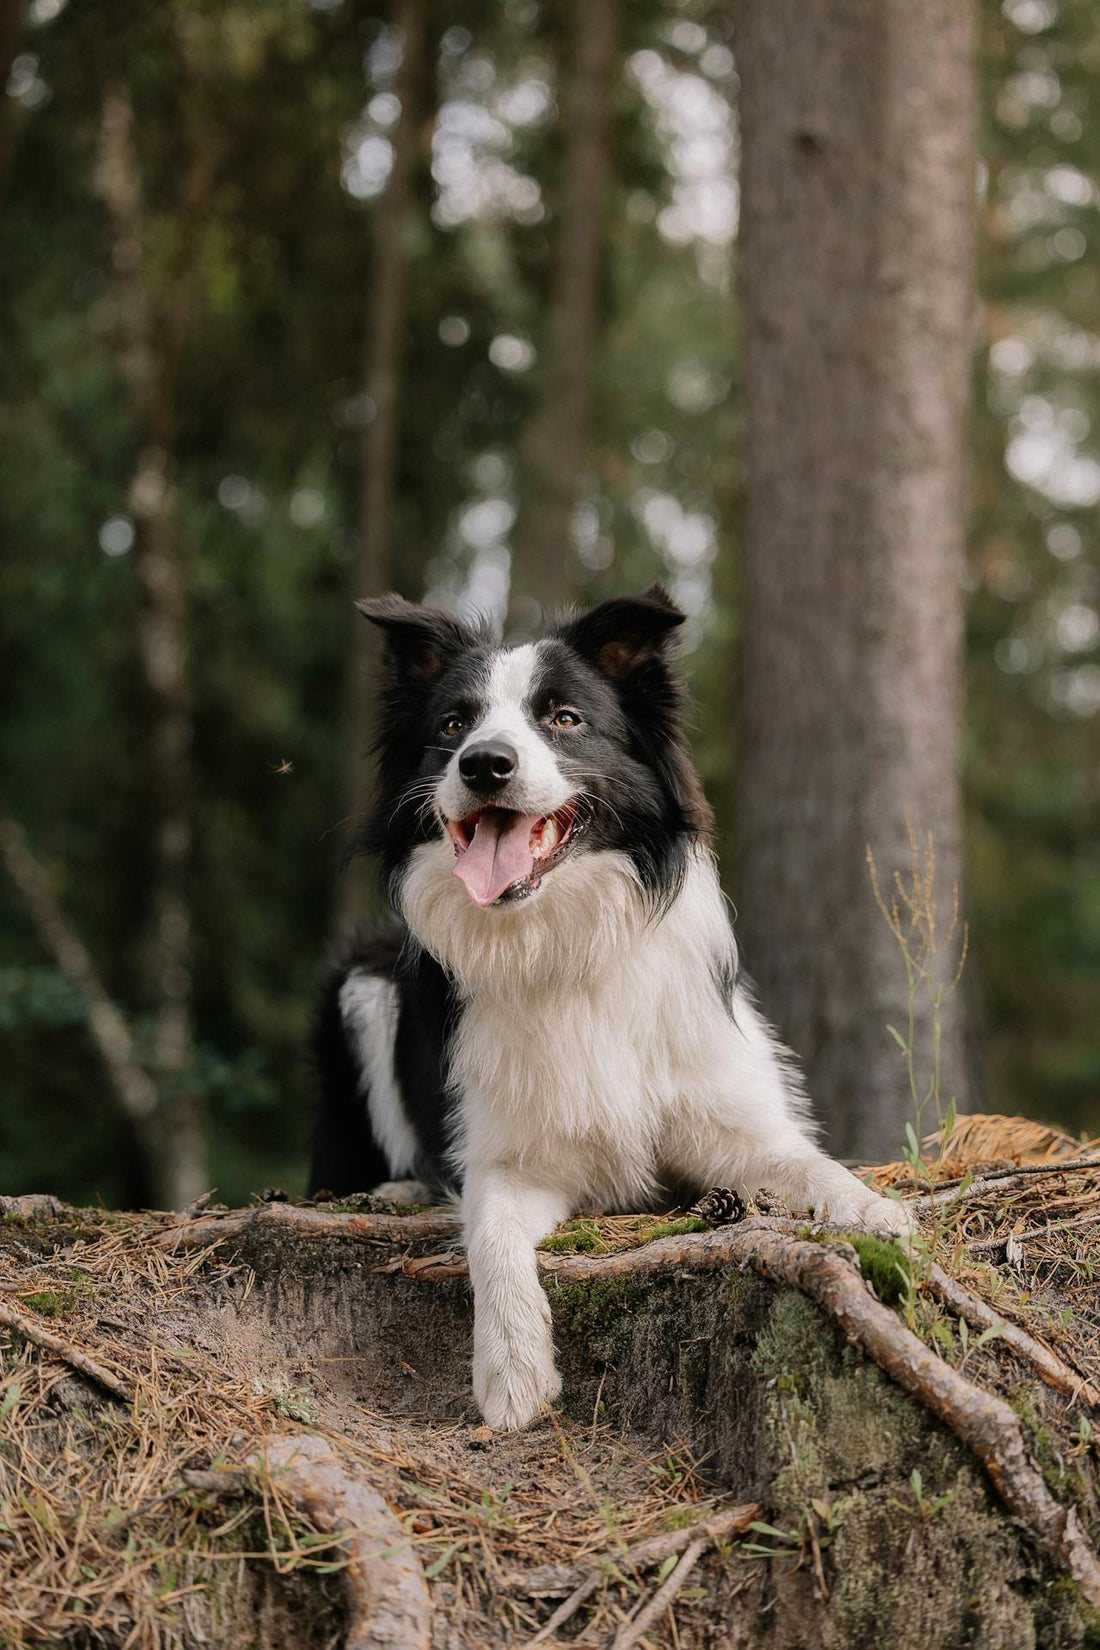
{"x": 672, "y": 1228}
{"x": 52, "y": 1303}
{"x": 583, "y": 1236}
{"x": 599, "y": 1314}
{"x": 569, "y": 1242}
{"x": 883, "y": 1264}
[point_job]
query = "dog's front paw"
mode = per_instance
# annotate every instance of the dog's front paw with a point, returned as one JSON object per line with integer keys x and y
{"x": 513, "y": 1385}
{"x": 870, "y": 1212}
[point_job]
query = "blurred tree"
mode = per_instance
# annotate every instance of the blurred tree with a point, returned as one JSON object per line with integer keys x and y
{"x": 151, "y": 309}
{"x": 383, "y": 359}
{"x": 857, "y": 288}
{"x": 554, "y": 446}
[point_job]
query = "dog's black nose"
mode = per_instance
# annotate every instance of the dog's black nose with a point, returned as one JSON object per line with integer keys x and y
{"x": 488, "y": 766}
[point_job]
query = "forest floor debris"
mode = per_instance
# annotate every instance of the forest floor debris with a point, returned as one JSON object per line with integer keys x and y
{"x": 125, "y": 1511}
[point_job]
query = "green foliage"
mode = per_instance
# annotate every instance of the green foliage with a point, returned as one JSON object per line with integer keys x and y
{"x": 269, "y": 417}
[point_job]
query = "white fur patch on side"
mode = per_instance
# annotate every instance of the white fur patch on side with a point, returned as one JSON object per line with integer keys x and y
{"x": 368, "y": 1008}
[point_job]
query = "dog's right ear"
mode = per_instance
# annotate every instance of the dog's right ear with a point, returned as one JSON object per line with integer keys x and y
{"x": 420, "y": 641}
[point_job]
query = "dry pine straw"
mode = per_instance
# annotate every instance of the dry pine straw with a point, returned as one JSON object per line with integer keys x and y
{"x": 96, "y": 1538}
{"x": 101, "y": 1542}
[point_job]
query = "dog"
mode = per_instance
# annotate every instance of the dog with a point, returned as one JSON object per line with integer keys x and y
{"x": 559, "y": 1023}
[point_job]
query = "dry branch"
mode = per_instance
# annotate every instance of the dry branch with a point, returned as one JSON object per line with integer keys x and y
{"x": 1002, "y": 1181}
{"x": 990, "y": 1246}
{"x": 390, "y": 1605}
{"x": 134, "y": 1089}
{"x": 30, "y": 1330}
{"x": 985, "y": 1424}
{"x": 310, "y": 1223}
{"x": 553, "y": 1579}
{"x": 631, "y": 1631}
{"x": 557, "y": 1578}
{"x": 980, "y": 1315}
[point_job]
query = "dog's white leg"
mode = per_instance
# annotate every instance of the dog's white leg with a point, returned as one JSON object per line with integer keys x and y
{"x": 505, "y": 1216}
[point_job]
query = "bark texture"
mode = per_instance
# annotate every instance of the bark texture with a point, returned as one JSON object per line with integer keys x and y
{"x": 383, "y": 361}
{"x": 554, "y": 443}
{"x": 856, "y": 276}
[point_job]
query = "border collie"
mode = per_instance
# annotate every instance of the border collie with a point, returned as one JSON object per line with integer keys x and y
{"x": 558, "y": 1023}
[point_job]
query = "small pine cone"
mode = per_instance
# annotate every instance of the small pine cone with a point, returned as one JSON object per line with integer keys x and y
{"x": 766, "y": 1202}
{"x": 720, "y": 1207}
{"x": 274, "y": 1194}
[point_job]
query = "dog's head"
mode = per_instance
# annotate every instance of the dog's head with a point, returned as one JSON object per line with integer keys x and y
{"x": 525, "y": 758}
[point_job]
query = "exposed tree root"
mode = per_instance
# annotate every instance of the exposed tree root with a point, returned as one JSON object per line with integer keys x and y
{"x": 388, "y": 1597}
{"x": 984, "y": 1423}
{"x": 32, "y": 1330}
{"x": 310, "y": 1223}
{"x": 980, "y": 1315}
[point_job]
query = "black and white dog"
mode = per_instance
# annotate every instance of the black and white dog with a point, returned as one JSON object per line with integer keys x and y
{"x": 558, "y": 1024}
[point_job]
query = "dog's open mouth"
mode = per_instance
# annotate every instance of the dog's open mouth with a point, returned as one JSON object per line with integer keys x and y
{"x": 504, "y": 855}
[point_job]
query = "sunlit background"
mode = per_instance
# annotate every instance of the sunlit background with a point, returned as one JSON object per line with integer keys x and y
{"x": 292, "y": 109}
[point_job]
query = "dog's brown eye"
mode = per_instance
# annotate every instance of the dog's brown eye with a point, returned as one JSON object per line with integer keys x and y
{"x": 452, "y": 726}
{"x": 565, "y": 719}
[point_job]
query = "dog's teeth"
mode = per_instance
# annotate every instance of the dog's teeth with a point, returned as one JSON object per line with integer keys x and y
{"x": 546, "y": 838}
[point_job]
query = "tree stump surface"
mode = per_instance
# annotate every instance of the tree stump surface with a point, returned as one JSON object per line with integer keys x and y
{"x": 730, "y": 1465}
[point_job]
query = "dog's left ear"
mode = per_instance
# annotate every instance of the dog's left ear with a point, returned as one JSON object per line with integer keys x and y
{"x": 621, "y": 635}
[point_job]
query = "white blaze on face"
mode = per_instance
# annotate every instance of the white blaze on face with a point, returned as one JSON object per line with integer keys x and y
{"x": 499, "y": 841}
{"x": 539, "y": 787}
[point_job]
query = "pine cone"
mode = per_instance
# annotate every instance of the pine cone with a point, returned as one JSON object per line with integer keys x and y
{"x": 720, "y": 1207}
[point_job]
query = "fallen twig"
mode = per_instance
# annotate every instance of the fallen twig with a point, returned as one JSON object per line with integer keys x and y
{"x": 31, "y": 1330}
{"x": 980, "y": 1315}
{"x": 984, "y": 1423}
{"x": 310, "y": 1223}
{"x": 999, "y": 1180}
{"x": 631, "y": 1631}
{"x": 989, "y": 1246}
{"x": 390, "y": 1605}
{"x": 554, "y": 1579}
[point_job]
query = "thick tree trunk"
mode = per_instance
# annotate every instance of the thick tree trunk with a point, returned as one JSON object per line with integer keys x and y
{"x": 150, "y": 331}
{"x": 856, "y": 274}
{"x": 384, "y": 354}
{"x": 554, "y": 444}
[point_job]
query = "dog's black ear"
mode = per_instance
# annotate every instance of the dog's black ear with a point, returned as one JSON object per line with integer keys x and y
{"x": 625, "y": 633}
{"x": 420, "y": 641}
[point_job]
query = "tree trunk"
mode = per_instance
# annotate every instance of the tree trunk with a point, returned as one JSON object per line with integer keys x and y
{"x": 384, "y": 354}
{"x": 150, "y": 331}
{"x": 11, "y": 22}
{"x": 857, "y": 292}
{"x": 554, "y": 445}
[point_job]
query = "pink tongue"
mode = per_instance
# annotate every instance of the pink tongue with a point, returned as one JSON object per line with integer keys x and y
{"x": 499, "y": 854}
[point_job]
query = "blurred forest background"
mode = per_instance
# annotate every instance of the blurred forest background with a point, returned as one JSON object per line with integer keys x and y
{"x": 304, "y": 299}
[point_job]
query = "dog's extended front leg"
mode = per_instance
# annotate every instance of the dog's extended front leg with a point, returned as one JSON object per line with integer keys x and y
{"x": 504, "y": 1217}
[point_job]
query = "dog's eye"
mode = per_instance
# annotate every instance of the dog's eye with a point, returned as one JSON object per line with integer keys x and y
{"x": 566, "y": 719}
{"x": 452, "y": 726}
